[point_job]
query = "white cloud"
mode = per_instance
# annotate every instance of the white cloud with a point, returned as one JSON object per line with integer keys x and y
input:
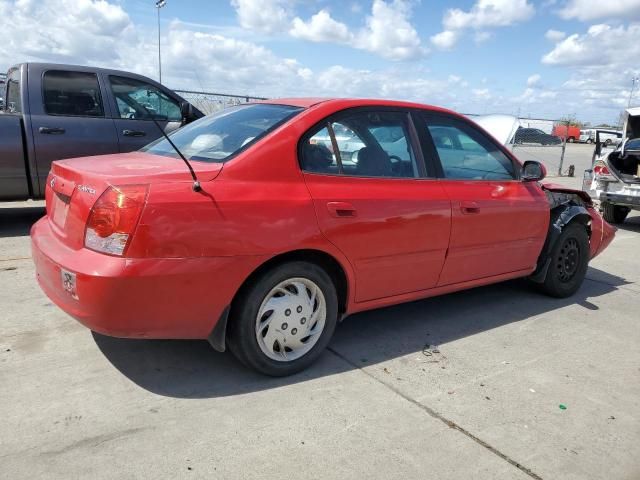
{"x": 489, "y": 13}
{"x": 36, "y": 30}
{"x": 267, "y": 16}
{"x": 481, "y": 37}
{"x": 482, "y": 93}
{"x": 586, "y": 10}
{"x": 484, "y": 14}
{"x": 602, "y": 44}
{"x": 387, "y": 32}
{"x": 534, "y": 80}
{"x": 555, "y": 35}
{"x": 321, "y": 28}
{"x": 445, "y": 40}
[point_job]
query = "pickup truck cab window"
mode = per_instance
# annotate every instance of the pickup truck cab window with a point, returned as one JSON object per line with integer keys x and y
{"x": 75, "y": 94}
{"x": 138, "y": 100}
{"x": 13, "y": 101}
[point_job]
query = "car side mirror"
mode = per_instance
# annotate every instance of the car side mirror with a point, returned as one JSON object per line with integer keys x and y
{"x": 187, "y": 113}
{"x": 533, "y": 171}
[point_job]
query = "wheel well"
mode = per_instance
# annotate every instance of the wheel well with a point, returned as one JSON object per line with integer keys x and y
{"x": 318, "y": 257}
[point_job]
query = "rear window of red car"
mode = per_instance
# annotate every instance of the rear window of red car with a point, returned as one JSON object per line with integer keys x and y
{"x": 218, "y": 137}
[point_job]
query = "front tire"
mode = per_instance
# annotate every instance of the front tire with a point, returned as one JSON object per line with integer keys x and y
{"x": 569, "y": 262}
{"x": 281, "y": 323}
{"x": 614, "y": 213}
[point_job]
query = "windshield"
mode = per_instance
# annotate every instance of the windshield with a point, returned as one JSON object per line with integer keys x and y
{"x": 218, "y": 137}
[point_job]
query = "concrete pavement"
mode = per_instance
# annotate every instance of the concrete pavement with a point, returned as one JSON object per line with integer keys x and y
{"x": 466, "y": 385}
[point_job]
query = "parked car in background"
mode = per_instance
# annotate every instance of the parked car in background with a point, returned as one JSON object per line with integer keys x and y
{"x": 270, "y": 237}
{"x": 587, "y": 135}
{"x": 535, "y": 135}
{"x": 607, "y": 137}
{"x": 614, "y": 178}
{"x": 570, "y": 133}
{"x": 61, "y": 111}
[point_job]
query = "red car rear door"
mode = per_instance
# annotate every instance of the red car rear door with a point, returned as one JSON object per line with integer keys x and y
{"x": 499, "y": 223}
{"x": 375, "y": 202}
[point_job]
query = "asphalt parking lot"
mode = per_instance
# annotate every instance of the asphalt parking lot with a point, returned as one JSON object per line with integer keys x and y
{"x": 468, "y": 385}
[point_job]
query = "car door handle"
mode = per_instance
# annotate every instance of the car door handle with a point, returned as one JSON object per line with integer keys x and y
{"x": 133, "y": 133}
{"x": 341, "y": 209}
{"x": 51, "y": 130}
{"x": 469, "y": 208}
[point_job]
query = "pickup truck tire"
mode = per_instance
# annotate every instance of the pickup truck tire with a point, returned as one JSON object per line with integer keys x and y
{"x": 614, "y": 213}
{"x": 569, "y": 262}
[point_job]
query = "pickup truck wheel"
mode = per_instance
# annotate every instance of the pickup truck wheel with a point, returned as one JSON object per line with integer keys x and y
{"x": 283, "y": 321}
{"x": 569, "y": 262}
{"x": 614, "y": 213}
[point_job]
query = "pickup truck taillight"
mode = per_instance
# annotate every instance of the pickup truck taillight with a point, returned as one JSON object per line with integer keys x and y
{"x": 114, "y": 217}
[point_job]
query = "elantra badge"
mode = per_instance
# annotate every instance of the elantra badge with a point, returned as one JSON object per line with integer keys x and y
{"x": 85, "y": 189}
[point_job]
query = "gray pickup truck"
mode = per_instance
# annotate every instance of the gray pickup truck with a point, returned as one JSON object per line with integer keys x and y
{"x": 56, "y": 111}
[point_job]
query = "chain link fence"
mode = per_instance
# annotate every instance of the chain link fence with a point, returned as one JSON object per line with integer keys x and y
{"x": 558, "y": 144}
{"x": 545, "y": 140}
{"x": 210, "y": 102}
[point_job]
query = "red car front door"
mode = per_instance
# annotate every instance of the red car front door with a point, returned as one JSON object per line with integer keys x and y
{"x": 499, "y": 224}
{"x": 373, "y": 202}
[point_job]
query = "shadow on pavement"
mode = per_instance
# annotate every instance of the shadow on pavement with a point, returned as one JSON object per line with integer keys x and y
{"x": 631, "y": 224}
{"x": 192, "y": 369}
{"x": 16, "y": 222}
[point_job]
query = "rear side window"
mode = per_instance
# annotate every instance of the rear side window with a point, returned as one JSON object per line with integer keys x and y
{"x": 13, "y": 101}
{"x": 75, "y": 94}
{"x": 467, "y": 154}
{"x": 363, "y": 144}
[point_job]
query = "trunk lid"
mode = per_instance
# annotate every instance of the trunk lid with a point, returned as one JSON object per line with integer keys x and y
{"x": 74, "y": 185}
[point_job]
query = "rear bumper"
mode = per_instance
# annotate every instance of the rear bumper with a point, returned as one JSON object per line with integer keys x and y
{"x": 620, "y": 199}
{"x": 138, "y": 298}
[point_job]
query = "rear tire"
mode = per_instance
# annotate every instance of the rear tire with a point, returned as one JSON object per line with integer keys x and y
{"x": 614, "y": 213}
{"x": 571, "y": 139}
{"x": 569, "y": 262}
{"x": 281, "y": 323}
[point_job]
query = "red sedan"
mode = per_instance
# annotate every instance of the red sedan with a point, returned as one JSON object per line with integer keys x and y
{"x": 304, "y": 211}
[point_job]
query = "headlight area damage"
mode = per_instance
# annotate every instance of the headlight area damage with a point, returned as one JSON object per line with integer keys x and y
{"x": 568, "y": 206}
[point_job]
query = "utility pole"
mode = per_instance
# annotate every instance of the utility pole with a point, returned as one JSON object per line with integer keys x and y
{"x": 159, "y": 5}
{"x": 633, "y": 85}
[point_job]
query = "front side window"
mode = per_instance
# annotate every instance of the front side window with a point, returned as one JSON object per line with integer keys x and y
{"x": 364, "y": 144}
{"x": 139, "y": 100}
{"x": 74, "y": 94}
{"x": 217, "y": 138}
{"x": 467, "y": 154}
{"x": 13, "y": 101}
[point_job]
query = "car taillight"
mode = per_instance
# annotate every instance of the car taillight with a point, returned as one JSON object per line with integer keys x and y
{"x": 114, "y": 217}
{"x": 601, "y": 169}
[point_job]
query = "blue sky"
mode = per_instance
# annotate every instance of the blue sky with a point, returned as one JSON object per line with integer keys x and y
{"x": 547, "y": 58}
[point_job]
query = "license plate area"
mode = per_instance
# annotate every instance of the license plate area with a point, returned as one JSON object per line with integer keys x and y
{"x": 60, "y": 209}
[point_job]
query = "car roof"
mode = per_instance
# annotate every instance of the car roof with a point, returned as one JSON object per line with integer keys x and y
{"x": 308, "y": 102}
